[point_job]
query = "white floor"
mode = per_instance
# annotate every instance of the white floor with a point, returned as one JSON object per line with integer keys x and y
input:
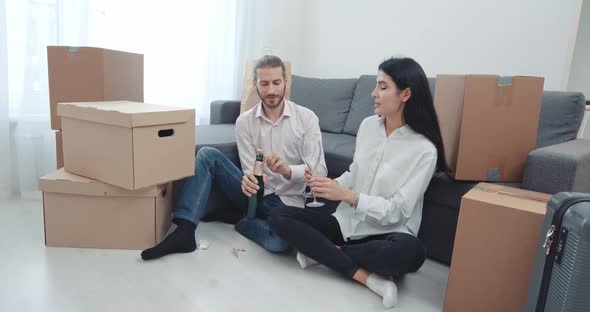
{"x": 37, "y": 278}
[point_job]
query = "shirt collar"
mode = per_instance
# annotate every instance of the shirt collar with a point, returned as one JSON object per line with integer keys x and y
{"x": 405, "y": 129}
{"x": 287, "y": 111}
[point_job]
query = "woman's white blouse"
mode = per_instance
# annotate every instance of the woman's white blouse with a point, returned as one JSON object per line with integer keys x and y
{"x": 391, "y": 174}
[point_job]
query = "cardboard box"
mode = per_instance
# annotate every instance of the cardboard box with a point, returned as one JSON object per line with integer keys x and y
{"x": 489, "y": 125}
{"x": 128, "y": 144}
{"x": 249, "y": 95}
{"x": 84, "y": 213}
{"x": 85, "y": 74}
{"x": 495, "y": 244}
{"x": 59, "y": 154}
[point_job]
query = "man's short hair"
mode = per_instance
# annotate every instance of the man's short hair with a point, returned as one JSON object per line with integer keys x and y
{"x": 269, "y": 61}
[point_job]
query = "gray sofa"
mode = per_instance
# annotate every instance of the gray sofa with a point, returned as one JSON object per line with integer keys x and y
{"x": 560, "y": 163}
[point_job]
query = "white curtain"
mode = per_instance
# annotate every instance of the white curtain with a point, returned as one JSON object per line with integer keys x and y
{"x": 191, "y": 52}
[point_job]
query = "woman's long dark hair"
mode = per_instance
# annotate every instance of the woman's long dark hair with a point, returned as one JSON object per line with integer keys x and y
{"x": 419, "y": 112}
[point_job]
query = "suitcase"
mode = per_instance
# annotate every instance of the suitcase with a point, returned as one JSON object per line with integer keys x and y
{"x": 560, "y": 279}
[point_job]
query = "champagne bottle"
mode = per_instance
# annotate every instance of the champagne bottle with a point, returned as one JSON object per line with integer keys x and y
{"x": 255, "y": 200}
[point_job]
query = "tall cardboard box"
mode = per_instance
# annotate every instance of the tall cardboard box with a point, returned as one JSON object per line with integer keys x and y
{"x": 59, "y": 154}
{"x": 86, "y": 74}
{"x": 249, "y": 94}
{"x": 128, "y": 144}
{"x": 489, "y": 125}
{"x": 497, "y": 236}
{"x": 84, "y": 213}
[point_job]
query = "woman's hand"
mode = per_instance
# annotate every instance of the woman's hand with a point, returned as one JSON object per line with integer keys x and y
{"x": 307, "y": 176}
{"x": 331, "y": 190}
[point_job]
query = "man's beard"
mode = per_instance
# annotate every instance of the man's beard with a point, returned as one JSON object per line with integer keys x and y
{"x": 269, "y": 105}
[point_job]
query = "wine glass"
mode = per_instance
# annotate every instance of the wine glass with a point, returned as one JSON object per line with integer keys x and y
{"x": 311, "y": 149}
{"x": 303, "y": 152}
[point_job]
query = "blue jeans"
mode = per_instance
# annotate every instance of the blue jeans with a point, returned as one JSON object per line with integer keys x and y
{"x": 212, "y": 166}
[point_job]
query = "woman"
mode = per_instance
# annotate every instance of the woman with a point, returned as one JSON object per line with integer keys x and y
{"x": 372, "y": 234}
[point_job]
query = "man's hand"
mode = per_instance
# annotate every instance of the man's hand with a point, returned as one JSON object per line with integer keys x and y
{"x": 250, "y": 183}
{"x": 331, "y": 190}
{"x": 275, "y": 163}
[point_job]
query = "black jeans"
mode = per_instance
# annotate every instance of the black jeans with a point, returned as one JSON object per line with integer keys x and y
{"x": 316, "y": 235}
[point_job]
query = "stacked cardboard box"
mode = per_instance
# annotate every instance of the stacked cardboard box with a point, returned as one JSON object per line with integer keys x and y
{"x": 59, "y": 152}
{"x": 489, "y": 126}
{"x": 118, "y": 157}
{"x": 82, "y": 74}
{"x": 81, "y": 212}
{"x": 497, "y": 236}
{"x": 86, "y": 74}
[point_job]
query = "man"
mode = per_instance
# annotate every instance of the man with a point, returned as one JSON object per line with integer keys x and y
{"x": 277, "y": 126}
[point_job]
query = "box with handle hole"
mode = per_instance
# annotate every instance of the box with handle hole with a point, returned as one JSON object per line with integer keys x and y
{"x": 128, "y": 144}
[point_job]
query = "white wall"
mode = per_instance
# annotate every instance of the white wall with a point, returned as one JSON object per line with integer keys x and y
{"x": 347, "y": 38}
{"x": 580, "y": 71}
{"x": 4, "y": 121}
{"x": 270, "y": 26}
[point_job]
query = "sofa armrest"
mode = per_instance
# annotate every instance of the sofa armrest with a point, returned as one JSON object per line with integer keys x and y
{"x": 224, "y": 112}
{"x": 563, "y": 167}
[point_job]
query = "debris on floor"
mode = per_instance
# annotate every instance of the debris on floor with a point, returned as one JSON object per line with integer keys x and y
{"x": 203, "y": 244}
{"x": 236, "y": 251}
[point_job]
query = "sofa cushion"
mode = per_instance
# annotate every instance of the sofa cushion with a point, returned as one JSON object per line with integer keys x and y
{"x": 329, "y": 99}
{"x": 362, "y": 104}
{"x": 222, "y": 137}
{"x": 440, "y": 212}
{"x": 560, "y": 118}
{"x": 437, "y": 230}
{"x": 338, "y": 151}
{"x": 446, "y": 191}
{"x": 215, "y": 134}
{"x": 431, "y": 85}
